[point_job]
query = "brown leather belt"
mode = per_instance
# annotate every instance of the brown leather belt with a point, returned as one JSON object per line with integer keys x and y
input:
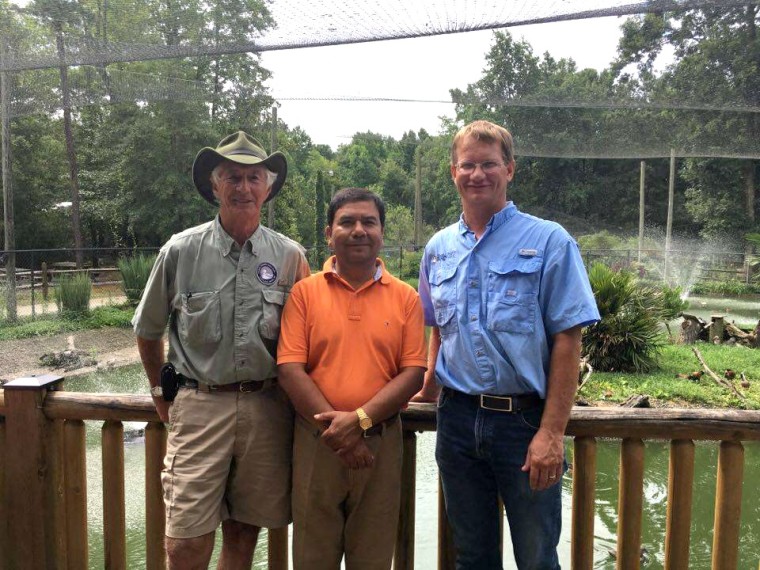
{"x": 508, "y": 403}
{"x": 379, "y": 428}
{"x": 249, "y": 386}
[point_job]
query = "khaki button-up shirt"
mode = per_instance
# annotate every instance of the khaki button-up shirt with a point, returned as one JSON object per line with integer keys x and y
{"x": 222, "y": 302}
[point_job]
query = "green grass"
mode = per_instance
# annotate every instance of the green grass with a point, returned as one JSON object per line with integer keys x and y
{"x": 663, "y": 385}
{"x": 99, "y": 317}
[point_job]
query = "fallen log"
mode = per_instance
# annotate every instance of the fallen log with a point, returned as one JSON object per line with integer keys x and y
{"x": 720, "y": 381}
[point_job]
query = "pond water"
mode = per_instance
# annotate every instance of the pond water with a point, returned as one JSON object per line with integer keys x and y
{"x": 743, "y": 312}
{"x": 655, "y": 498}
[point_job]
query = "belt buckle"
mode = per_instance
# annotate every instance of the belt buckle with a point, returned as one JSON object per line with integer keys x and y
{"x": 245, "y": 389}
{"x": 505, "y": 398}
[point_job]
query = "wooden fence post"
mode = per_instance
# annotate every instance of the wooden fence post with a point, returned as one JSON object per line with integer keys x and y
{"x": 403, "y": 557}
{"x": 3, "y": 509}
{"x": 30, "y": 479}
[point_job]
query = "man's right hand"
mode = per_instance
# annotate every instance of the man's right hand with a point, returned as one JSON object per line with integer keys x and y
{"x": 162, "y": 407}
{"x": 357, "y": 457}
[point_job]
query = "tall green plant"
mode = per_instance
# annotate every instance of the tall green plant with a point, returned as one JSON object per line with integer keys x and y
{"x": 134, "y": 275}
{"x": 628, "y": 337}
{"x": 72, "y": 294}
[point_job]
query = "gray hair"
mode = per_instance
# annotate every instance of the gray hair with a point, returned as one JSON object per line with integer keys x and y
{"x": 216, "y": 175}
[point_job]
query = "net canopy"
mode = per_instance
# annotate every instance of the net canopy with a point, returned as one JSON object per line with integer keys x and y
{"x": 710, "y": 111}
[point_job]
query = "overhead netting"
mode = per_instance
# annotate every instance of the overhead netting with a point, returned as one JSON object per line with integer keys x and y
{"x": 101, "y": 37}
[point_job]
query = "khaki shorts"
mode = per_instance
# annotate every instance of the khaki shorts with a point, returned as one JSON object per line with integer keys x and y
{"x": 228, "y": 456}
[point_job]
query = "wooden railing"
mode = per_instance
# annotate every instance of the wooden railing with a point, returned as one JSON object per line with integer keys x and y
{"x": 43, "y": 517}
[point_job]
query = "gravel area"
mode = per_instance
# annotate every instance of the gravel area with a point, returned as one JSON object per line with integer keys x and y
{"x": 109, "y": 347}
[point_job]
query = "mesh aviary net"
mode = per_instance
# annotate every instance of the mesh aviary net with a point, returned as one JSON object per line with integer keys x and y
{"x": 711, "y": 114}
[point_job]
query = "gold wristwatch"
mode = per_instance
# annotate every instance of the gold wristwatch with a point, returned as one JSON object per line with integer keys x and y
{"x": 365, "y": 422}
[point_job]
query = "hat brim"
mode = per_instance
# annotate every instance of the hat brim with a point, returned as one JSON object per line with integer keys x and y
{"x": 208, "y": 159}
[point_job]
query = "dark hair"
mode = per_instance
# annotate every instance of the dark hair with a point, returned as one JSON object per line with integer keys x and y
{"x": 350, "y": 195}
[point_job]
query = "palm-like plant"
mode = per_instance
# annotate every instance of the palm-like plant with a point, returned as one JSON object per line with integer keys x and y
{"x": 134, "y": 273}
{"x": 628, "y": 337}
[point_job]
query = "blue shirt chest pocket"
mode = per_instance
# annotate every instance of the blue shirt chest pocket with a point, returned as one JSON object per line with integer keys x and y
{"x": 513, "y": 295}
{"x": 443, "y": 293}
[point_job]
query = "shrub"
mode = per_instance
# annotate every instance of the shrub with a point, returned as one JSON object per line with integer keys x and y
{"x": 134, "y": 275}
{"x": 72, "y": 294}
{"x": 628, "y": 337}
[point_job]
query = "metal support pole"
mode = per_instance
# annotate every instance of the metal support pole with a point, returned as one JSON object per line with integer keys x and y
{"x": 418, "y": 197}
{"x": 671, "y": 194}
{"x": 641, "y": 207}
{"x": 273, "y": 147}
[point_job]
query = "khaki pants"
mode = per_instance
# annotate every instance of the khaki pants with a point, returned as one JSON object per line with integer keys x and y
{"x": 338, "y": 510}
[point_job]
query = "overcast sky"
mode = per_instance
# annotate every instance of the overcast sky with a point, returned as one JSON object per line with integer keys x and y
{"x": 419, "y": 68}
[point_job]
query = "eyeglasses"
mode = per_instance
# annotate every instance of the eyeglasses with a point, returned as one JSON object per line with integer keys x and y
{"x": 488, "y": 167}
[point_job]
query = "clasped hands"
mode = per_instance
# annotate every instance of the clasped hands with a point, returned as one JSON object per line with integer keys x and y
{"x": 344, "y": 436}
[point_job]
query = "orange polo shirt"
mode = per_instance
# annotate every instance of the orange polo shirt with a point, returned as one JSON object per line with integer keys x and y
{"x": 353, "y": 342}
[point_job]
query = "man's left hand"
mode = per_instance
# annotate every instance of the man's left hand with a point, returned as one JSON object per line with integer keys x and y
{"x": 545, "y": 459}
{"x": 343, "y": 431}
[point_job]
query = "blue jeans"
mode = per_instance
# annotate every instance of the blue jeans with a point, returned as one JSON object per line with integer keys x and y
{"x": 479, "y": 454}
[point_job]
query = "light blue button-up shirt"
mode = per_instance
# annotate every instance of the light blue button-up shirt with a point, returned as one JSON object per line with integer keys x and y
{"x": 498, "y": 301}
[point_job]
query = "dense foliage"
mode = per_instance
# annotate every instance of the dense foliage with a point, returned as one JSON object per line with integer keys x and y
{"x": 628, "y": 337}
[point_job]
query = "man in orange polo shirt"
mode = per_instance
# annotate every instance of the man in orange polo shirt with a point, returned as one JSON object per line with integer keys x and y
{"x": 351, "y": 353}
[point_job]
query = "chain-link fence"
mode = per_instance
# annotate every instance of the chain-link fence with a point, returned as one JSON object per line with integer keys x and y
{"x": 681, "y": 268}
{"x": 28, "y": 277}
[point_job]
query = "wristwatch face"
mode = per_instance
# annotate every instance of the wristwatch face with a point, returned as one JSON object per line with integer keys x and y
{"x": 365, "y": 423}
{"x": 156, "y": 391}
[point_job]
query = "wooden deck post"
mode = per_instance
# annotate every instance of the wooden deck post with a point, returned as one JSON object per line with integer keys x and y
{"x": 114, "y": 514}
{"x": 403, "y": 557}
{"x": 75, "y": 468}
{"x": 630, "y": 504}
{"x": 155, "y": 514}
{"x": 3, "y": 509}
{"x": 30, "y": 479}
{"x": 680, "y": 491}
{"x": 584, "y": 490}
{"x": 278, "y": 548}
{"x": 728, "y": 506}
{"x": 446, "y": 551}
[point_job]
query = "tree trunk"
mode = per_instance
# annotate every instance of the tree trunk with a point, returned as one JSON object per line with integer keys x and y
{"x": 8, "y": 213}
{"x": 70, "y": 152}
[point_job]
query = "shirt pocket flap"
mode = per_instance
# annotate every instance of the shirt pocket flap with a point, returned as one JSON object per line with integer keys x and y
{"x": 444, "y": 314}
{"x": 275, "y": 297}
{"x": 523, "y": 266}
{"x": 442, "y": 273}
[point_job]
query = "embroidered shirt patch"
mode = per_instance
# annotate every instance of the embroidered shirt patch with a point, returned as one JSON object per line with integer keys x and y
{"x": 266, "y": 273}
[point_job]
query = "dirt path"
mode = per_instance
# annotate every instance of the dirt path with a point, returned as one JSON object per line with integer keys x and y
{"x": 110, "y": 347}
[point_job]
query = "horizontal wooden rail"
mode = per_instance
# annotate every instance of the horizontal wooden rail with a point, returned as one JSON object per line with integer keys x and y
{"x": 613, "y": 422}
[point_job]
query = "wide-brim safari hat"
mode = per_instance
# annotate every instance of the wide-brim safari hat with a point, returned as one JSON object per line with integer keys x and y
{"x": 242, "y": 148}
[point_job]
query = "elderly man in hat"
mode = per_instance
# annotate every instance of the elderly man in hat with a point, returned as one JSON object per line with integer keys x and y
{"x": 221, "y": 287}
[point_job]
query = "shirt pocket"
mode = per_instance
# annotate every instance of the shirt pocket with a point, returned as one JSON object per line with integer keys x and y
{"x": 271, "y": 312}
{"x": 443, "y": 293}
{"x": 513, "y": 295}
{"x": 200, "y": 317}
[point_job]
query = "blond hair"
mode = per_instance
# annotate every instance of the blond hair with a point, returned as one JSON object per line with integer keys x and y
{"x": 486, "y": 132}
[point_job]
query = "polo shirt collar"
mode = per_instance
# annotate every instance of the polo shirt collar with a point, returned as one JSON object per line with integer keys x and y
{"x": 381, "y": 274}
{"x": 497, "y": 220}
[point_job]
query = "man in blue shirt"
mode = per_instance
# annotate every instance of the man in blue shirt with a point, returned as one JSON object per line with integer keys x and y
{"x": 507, "y": 295}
